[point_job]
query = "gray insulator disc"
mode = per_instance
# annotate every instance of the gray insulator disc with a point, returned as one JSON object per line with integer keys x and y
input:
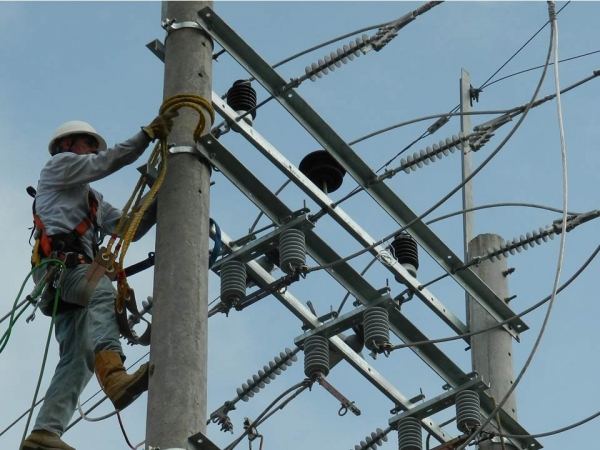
{"x": 403, "y": 163}
{"x": 409, "y": 434}
{"x": 348, "y": 52}
{"x": 233, "y": 282}
{"x": 468, "y": 416}
{"x": 430, "y": 154}
{"x": 316, "y": 356}
{"x": 291, "y": 355}
{"x": 532, "y": 240}
{"x": 377, "y": 327}
{"x": 292, "y": 250}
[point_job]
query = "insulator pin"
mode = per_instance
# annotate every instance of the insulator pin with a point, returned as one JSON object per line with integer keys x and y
{"x": 316, "y": 356}
{"x": 233, "y": 282}
{"x": 409, "y": 434}
{"x": 376, "y": 324}
{"x": 292, "y": 250}
{"x": 468, "y": 415}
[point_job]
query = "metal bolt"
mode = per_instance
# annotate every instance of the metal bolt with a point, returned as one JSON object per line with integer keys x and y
{"x": 508, "y": 272}
{"x": 508, "y": 299}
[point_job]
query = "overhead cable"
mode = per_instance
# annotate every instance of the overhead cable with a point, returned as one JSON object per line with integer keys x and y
{"x": 554, "y": 40}
{"x": 456, "y": 108}
{"x": 551, "y": 433}
{"x": 539, "y": 67}
{"x": 300, "y": 385}
{"x": 361, "y": 45}
{"x": 504, "y": 322}
{"x": 498, "y": 205}
{"x": 460, "y": 185}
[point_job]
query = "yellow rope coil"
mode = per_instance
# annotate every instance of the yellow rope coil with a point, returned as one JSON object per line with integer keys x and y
{"x": 191, "y": 101}
{"x": 129, "y": 222}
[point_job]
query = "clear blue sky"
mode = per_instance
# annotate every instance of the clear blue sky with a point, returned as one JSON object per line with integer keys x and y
{"x": 88, "y": 61}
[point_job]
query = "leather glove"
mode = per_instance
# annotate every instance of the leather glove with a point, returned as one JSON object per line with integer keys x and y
{"x": 161, "y": 126}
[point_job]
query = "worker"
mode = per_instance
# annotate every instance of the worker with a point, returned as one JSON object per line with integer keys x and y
{"x": 86, "y": 328}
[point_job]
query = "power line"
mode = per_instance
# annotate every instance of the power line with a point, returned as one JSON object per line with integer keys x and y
{"x": 498, "y": 205}
{"x": 456, "y": 108}
{"x": 300, "y": 385}
{"x": 460, "y": 185}
{"x": 77, "y": 420}
{"x": 539, "y": 67}
{"x": 521, "y": 48}
{"x": 504, "y": 322}
{"x": 551, "y": 433}
{"x": 513, "y": 386}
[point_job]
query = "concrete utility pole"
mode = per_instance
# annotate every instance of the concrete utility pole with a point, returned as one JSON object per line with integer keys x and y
{"x": 178, "y": 359}
{"x": 491, "y": 352}
{"x": 466, "y": 159}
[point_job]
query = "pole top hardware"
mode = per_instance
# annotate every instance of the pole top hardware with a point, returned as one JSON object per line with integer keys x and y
{"x": 170, "y": 25}
{"x": 184, "y": 149}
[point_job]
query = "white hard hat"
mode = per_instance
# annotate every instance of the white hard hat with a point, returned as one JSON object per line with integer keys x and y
{"x": 75, "y": 127}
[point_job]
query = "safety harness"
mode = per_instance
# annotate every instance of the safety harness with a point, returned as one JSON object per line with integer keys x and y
{"x": 66, "y": 247}
{"x": 105, "y": 261}
{"x": 64, "y": 243}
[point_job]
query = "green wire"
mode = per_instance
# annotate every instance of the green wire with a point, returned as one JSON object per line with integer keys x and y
{"x": 6, "y": 335}
{"x": 39, "y": 382}
{"x": 13, "y": 319}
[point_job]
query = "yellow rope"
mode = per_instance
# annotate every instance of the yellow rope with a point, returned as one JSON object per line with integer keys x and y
{"x": 499, "y": 423}
{"x": 191, "y": 101}
{"x": 129, "y": 222}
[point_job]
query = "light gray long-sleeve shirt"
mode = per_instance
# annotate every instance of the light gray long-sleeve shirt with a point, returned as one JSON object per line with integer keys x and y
{"x": 62, "y": 192}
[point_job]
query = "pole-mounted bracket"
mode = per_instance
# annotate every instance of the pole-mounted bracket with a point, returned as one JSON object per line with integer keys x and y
{"x": 198, "y": 441}
{"x": 346, "y": 321}
{"x": 158, "y": 48}
{"x": 185, "y": 149}
{"x": 265, "y": 243}
{"x": 440, "y": 402}
{"x": 170, "y": 25}
{"x": 201, "y": 442}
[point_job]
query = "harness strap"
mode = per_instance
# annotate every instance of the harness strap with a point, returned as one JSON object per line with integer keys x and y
{"x": 102, "y": 265}
{"x": 63, "y": 241}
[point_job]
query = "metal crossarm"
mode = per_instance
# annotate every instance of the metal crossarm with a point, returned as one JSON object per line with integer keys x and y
{"x": 356, "y": 167}
{"x": 263, "y": 279}
{"x": 319, "y": 250}
{"x": 343, "y": 219}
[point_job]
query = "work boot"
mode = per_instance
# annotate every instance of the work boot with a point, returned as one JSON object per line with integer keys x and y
{"x": 122, "y": 389}
{"x": 44, "y": 440}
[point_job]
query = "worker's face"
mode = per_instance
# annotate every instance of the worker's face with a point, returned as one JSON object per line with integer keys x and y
{"x": 82, "y": 144}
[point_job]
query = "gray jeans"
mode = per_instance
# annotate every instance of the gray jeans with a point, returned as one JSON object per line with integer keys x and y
{"x": 81, "y": 334}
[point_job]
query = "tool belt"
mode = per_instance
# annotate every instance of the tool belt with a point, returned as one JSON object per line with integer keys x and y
{"x": 71, "y": 260}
